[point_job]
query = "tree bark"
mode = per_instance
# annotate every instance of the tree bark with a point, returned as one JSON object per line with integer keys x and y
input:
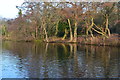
{"x": 89, "y": 28}
{"x": 71, "y": 35}
{"x": 107, "y": 29}
{"x": 36, "y": 32}
{"x": 57, "y": 28}
{"x": 75, "y": 32}
{"x": 65, "y": 34}
{"x": 45, "y": 31}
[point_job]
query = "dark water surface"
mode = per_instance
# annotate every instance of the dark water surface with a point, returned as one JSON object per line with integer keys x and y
{"x": 58, "y": 60}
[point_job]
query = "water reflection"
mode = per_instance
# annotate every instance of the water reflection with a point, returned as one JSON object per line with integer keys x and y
{"x": 41, "y": 60}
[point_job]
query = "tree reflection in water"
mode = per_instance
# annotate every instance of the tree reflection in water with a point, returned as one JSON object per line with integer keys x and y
{"x": 59, "y": 60}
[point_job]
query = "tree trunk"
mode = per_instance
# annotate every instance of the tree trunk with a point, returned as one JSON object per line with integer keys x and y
{"x": 75, "y": 32}
{"x": 65, "y": 34}
{"x": 57, "y": 28}
{"x": 36, "y": 32}
{"x": 46, "y": 36}
{"x": 89, "y": 28}
{"x": 100, "y": 32}
{"x": 107, "y": 29}
{"x": 71, "y": 35}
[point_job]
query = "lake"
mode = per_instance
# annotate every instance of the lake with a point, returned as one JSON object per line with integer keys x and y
{"x": 59, "y": 60}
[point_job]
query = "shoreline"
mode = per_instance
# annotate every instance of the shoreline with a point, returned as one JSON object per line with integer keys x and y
{"x": 113, "y": 40}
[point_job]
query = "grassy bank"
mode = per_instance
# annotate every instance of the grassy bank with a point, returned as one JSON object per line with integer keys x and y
{"x": 113, "y": 40}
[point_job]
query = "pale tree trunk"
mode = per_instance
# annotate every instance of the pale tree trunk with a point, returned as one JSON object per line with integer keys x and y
{"x": 99, "y": 30}
{"x": 75, "y": 33}
{"x": 57, "y": 28}
{"x": 65, "y": 34}
{"x": 89, "y": 28}
{"x": 36, "y": 32}
{"x": 107, "y": 29}
{"x": 71, "y": 35}
{"x": 46, "y": 36}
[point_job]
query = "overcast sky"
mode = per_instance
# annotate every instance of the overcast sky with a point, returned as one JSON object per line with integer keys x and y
{"x": 8, "y": 8}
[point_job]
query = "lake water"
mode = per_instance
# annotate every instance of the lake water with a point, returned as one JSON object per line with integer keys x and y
{"x": 59, "y": 60}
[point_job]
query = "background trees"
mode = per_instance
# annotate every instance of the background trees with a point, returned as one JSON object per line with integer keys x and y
{"x": 64, "y": 19}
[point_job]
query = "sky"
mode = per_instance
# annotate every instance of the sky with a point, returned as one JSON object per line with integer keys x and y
{"x": 8, "y": 8}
